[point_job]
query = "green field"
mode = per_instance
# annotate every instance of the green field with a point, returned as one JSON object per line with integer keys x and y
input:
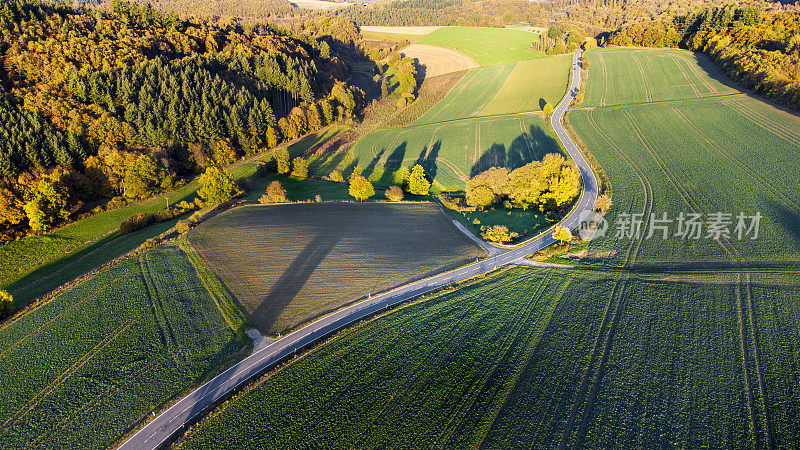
{"x": 35, "y": 265}
{"x": 623, "y": 76}
{"x": 488, "y": 46}
{"x": 85, "y": 368}
{"x": 729, "y": 153}
{"x": 288, "y": 264}
{"x": 538, "y": 358}
{"x": 530, "y": 83}
{"x": 477, "y": 125}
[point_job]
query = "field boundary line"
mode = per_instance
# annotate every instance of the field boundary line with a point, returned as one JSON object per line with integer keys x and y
{"x": 630, "y": 258}
{"x": 464, "y": 82}
{"x": 47, "y": 390}
{"x": 733, "y": 159}
{"x": 62, "y": 313}
{"x": 479, "y": 108}
{"x": 565, "y": 437}
{"x": 757, "y": 355}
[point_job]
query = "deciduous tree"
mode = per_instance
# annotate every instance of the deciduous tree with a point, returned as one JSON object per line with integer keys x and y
{"x": 360, "y": 188}
{"x": 417, "y": 183}
{"x": 218, "y": 186}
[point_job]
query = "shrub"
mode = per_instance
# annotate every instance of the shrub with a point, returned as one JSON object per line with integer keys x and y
{"x": 275, "y": 194}
{"x": 151, "y": 243}
{"x": 336, "y": 176}
{"x": 6, "y": 303}
{"x": 498, "y": 233}
{"x": 196, "y": 217}
{"x": 394, "y": 194}
{"x": 300, "y": 167}
{"x": 163, "y": 215}
{"x": 476, "y": 222}
{"x": 183, "y": 226}
{"x": 318, "y": 198}
{"x": 547, "y": 109}
{"x": 134, "y": 222}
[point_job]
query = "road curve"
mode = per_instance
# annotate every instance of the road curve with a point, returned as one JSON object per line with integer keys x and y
{"x": 269, "y": 352}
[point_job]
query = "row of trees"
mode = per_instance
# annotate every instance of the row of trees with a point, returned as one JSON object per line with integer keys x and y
{"x": 548, "y": 185}
{"x": 122, "y": 101}
{"x": 760, "y": 49}
{"x": 560, "y": 38}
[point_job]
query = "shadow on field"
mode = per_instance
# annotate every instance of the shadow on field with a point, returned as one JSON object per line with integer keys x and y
{"x": 787, "y": 219}
{"x": 525, "y": 148}
{"x": 293, "y": 279}
{"x": 427, "y": 159}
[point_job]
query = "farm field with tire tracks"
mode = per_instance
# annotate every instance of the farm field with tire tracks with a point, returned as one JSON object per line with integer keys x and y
{"x": 488, "y": 46}
{"x": 726, "y": 153}
{"x": 86, "y": 367}
{"x": 539, "y": 358}
{"x": 479, "y": 124}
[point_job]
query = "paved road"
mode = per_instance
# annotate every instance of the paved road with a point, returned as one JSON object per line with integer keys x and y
{"x": 268, "y": 352}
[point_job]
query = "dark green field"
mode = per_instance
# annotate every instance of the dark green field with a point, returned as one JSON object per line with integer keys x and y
{"x": 720, "y": 153}
{"x": 83, "y": 369}
{"x": 538, "y": 358}
{"x": 288, "y": 264}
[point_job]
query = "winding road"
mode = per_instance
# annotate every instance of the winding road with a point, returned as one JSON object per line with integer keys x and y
{"x": 268, "y": 352}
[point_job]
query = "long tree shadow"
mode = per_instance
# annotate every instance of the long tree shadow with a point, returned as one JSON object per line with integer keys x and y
{"x": 525, "y": 148}
{"x": 370, "y": 169}
{"x": 427, "y": 159}
{"x": 293, "y": 279}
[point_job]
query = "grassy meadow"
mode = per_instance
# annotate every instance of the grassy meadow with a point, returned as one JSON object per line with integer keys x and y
{"x": 289, "y": 264}
{"x": 479, "y": 124}
{"x": 727, "y": 153}
{"x": 488, "y": 46}
{"x": 542, "y": 358}
{"x": 85, "y": 368}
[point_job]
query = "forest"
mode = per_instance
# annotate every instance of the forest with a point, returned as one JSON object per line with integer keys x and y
{"x": 760, "y": 49}
{"x": 122, "y": 101}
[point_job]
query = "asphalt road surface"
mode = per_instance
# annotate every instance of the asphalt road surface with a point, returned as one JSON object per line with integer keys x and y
{"x": 268, "y": 352}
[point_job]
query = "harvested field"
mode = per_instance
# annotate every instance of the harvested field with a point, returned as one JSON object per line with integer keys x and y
{"x": 439, "y": 60}
{"x": 288, "y": 264}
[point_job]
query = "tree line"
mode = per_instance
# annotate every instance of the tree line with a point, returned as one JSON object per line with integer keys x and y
{"x": 758, "y": 48}
{"x": 122, "y": 101}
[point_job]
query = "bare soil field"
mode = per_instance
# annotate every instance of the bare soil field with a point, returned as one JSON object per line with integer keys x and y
{"x": 288, "y": 264}
{"x": 439, "y": 60}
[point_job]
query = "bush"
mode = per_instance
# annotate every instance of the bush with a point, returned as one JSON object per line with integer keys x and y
{"x": 183, "y": 226}
{"x": 318, "y": 198}
{"x": 275, "y": 194}
{"x": 547, "y": 109}
{"x": 151, "y": 243}
{"x": 336, "y": 176}
{"x": 300, "y": 167}
{"x": 498, "y": 233}
{"x": 164, "y": 215}
{"x": 134, "y": 222}
{"x": 400, "y": 176}
{"x": 196, "y": 217}
{"x": 6, "y": 303}
{"x": 394, "y": 194}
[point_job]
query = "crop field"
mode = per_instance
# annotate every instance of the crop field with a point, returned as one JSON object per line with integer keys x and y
{"x": 453, "y": 152}
{"x": 488, "y": 46}
{"x": 726, "y": 154}
{"x": 439, "y": 60}
{"x": 622, "y": 76}
{"x": 464, "y": 134}
{"x": 543, "y": 358}
{"x": 288, "y": 264}
{"x": 530, "y": 84}
{"x": 35, "y": 265}
{"x": 86, "y": 367}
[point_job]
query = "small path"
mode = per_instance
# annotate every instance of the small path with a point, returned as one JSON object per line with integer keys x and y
{"x": 486, "y": 246}
{"x": 268, "y": 352}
